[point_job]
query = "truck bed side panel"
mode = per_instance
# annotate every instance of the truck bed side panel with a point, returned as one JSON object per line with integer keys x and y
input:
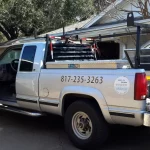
{"x": 106, "y": 81}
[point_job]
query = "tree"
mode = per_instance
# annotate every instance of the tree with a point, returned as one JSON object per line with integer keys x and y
{"x": 19, "y": 16}
{"x": 2, "y": 38}
{"x": 81, "y": 9}
{"x": 142, "y": 7}
{"x": 137, "y": 6}
{"x": 64, "y": 12}
{"x": 100, "y": 5}
{"x": 24, "y": 16}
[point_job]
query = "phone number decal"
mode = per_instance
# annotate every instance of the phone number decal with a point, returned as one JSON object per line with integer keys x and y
{"x": 82, "y": 79}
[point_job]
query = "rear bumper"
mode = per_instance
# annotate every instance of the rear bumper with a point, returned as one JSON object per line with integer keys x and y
{"x": 146, "y": 121}
{"x": 131, "y": 116}
{"x": 146, "y": 118}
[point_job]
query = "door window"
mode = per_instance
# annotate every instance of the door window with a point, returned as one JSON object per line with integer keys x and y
{"x": 27, "y": 58}
{"x": 10, "y": 55}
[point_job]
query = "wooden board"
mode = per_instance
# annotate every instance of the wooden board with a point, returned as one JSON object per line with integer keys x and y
{"x": 88, "y": 64}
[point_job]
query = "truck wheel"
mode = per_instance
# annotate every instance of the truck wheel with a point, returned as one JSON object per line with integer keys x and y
{"x": 85, "y": 126}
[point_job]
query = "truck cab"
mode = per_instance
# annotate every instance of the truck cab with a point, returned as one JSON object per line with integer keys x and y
{"x": 19, "y": 74}
{"x": 20, "y": 68}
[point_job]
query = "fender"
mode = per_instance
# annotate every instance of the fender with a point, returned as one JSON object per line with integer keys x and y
{"x": 88, "y": 91}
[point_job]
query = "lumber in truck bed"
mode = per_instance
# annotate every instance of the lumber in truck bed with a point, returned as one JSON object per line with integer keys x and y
{"x": 114, "y": 64}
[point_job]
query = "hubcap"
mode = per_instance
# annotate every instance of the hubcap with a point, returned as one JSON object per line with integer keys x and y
{"x": 82, "y": 125}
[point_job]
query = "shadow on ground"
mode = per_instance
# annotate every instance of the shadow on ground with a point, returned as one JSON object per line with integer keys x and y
{"x": 47, "y": 133}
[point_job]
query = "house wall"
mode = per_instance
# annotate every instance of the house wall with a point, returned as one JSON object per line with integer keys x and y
{"x": 130, "y": 42}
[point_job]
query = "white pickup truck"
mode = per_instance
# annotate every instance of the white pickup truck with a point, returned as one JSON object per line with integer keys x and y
{"x": 69, "y": 82}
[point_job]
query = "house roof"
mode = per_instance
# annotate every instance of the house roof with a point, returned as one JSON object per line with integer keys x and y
{"x": 72, "y": 27}
{"x": 84, "y": 24}
{"x": 103, "y": 30}
{"x": 98, "y": 26}
{"x": 101, "y": 14}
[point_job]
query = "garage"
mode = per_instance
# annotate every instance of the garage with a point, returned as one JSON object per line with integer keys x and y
{"x": 108, "y": 50}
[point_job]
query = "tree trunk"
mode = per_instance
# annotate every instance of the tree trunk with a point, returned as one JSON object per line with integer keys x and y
{"x": 5, "y": 33}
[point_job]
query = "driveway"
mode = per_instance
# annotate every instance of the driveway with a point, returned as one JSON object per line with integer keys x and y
{"x": 19, "y": 132}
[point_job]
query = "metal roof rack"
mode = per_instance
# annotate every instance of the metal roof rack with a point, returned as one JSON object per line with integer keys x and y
{"x": 66, "y": 40}
{"x": 130, "y": 22}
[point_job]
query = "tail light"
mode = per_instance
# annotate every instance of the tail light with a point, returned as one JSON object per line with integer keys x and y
{"x": 140, "y": 86}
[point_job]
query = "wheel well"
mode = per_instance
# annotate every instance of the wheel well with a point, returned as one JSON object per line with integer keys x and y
{"x": 71, "y": 98}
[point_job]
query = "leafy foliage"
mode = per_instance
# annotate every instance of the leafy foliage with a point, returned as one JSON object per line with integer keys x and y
{"x": 100, "y": 5}
{"x": 19, "y": 16}
{"x": 23, "y": 16}
{"x": 2, "y": 38}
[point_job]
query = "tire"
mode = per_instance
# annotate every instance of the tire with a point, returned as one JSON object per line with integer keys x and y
{"x": 83, "y": 114}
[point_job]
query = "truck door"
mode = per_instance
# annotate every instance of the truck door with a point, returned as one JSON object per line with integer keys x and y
{"x": 27, "y": 78}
